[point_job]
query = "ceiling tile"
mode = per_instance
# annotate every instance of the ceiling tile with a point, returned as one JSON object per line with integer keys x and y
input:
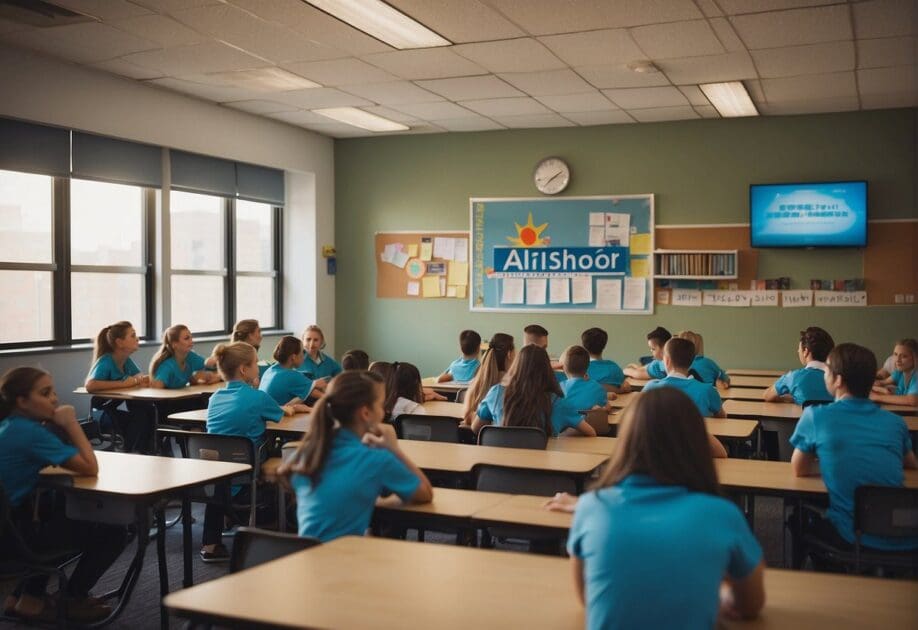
{"x": 606, "y": 47}
{"x": 677, "y": 39}
{"x": 442, "y": 110}
{"x": 126, "y": 69}
{"x": 532, "y": 121}
{"x": 892, "y": 51}
{"x": 707, "y": 111}
{"x": 466, "y": 88}
{"x": 391, "y": 114}
{"x": 548, "y": 82}
{"x": 7, "y": 26}
{"x": 494, "y": 107}
{"x": 794, "y": 27}
{"x": 754, "y": 87}
{"x": 300, "y": 117}
{"x": 818, "y": 106}
{"x": 474, "y": 123}
{"x": 885, "y": 18}
{"x": 586, "y": 102}
{"x": 260, "y": 106}
{"x": 799, "y": 60}
{"x": 888, "y": 101}
{"x": 216, "y": 93}
{"x": 459, "y": 22}
{"x": 620, "y": 77}
{"x": 734, "y": 7}
{"x": 638, "y": 98}
{"x": 196, "y": 59}
{"x": 160, "y": 29}
{"x": 426, "y": 63}
{"x": 660, "y": 114}
{"x": 899, "y": 80}
{"x": 103, "y": 9}
{"x": 810, "y": 87}
{"x": 727, "y": 35}
{"x": 335, "y": 72}
{"x": 728, "y": 67}
{"x": 709, "y": 8}
{"x": 316, "y": 98}
{"x": 694, "y": 95}
{"x": 393, "y": 93}
{"x": 513, "y": 55}
{"x": 614, "y": 117}
{"x": 81, "y": 43}
{"x": 547, "y": 17}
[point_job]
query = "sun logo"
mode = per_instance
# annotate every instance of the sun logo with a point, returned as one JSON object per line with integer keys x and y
{"x": 529, "y": 235}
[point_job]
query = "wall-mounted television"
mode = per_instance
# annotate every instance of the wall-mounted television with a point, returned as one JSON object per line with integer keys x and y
{"x": 822, "y": 214}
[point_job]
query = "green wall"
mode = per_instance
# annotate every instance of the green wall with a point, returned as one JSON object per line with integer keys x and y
{"x": 699, "y": 172}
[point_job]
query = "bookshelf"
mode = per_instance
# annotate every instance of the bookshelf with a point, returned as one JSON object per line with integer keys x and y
{"x": 696, "y": 264}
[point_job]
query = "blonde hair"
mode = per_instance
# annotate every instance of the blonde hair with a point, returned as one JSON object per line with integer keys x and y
{"x": 695, "y": 338}
{"x": 232, "y": 356}
{"x": 313, "y": 328}
{"x": 494, "y": 363}
{"x": 244, "y": 328}
{"x": 170, "y": 336}
{"x": 105, "y": 340}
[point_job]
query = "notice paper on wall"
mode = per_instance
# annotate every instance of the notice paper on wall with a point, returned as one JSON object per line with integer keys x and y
{"x": 511, "y": 291}
{"x": 840, "y": 298}
{"x": 635, "y": 294}
{"x": 597, "y": 236}
{"x": 414, "y": 288}
{"x": 640, "y": 267}
{"x": 430, "y": 286}
{"x": 559, "y": 290}
{"x": 535, "y": 290}
{"x": 640, "y": 244}
{"x": 598, "y": 219}
{"x": 426, "y": 248}
{"x": 444, "y": 248}
{"x": 609, "y": 294}
{"x": 458, "y": 273}
{"x": 663, "y": 296}
{"x": 400, "y": 259}
{"x": 685, "y": 297}
{"x": 582, "y": 289}
{"x": 618, "y": 228}
{"x": 726, "y": 298}
{"x": 461, "y": 250}
{"x": 764, "y": 298}
{"x": 793, "y": 299}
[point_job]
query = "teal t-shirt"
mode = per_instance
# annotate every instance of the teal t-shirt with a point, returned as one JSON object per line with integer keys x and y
{"x": 804, "y": 384}
{"x": 325, "y": 367}
{"x": 705, "y": 397}
{"x": 605, "y": 372}
{"x": 563, "y": 415}
{"x": 25, "y": 448}
{"x": 463, "y": 370}
{"x": 285, "y": 384}
{"x": 105, "y": 369}
{"x": 240, "y": 409}
{"x": 173, "y": 377}
{"x": 905, "y": 386}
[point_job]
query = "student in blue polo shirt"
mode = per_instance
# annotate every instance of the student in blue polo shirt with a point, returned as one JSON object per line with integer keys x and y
{"x": 580, "y": 390}
{"x": 678, "y": 357}
{"x": 705, "y": 368}
{"x": 465, "y": 367}
{"x": 603, "y": 371}
{"x": 656, "y": 339}
{"x": 28, "y": 402}
{"x": 176, "y": 365}
{"x": 901, "y": 388}
{"x": 283, "y": 381}
{"x": 495, "y": 362}
{"x": 317, "y": 365}
{"x": 656, "y": 524}
{"x": 237, "y": 409}
{"x": 531, "y": 397}
{"x": 349, "y": 460}
{"x": 112, "y": 366}
{"x": 807, "y": 383}
{"x": 851, "y": 443}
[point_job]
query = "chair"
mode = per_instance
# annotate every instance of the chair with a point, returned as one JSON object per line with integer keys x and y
{"x": 598, "y": 419}
{"x": 428, "y": 428}
{"x": 460, "y": 395}
{"x": 815, "y": 403}
{"x": 513, "y": 437}
{"x": 253, "y": 546}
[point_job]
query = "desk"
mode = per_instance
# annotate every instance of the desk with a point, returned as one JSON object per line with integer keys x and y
{"x": 443, "y": 408}
{"x": 448, "y": 386}
{"x": 760, "y": 382}
{"x": 767, "y": 477}
{"x": 153, "y": 394}
{"x": 724, "y": 428}
{"x": 731, "y": 393}
{"x": 137, "y": 483}
{"x": 462, "y": 458}
{"x": 526, "y": 510}
{"x": 290, "y": 427}
{"x": 594, "y": 445}
{"x": 790, "y": 412}
{"x": 637, "y": 384}
{"x": 747, "y": 372}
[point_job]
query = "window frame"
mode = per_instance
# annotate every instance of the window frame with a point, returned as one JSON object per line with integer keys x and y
{"x": 276, "y": 231}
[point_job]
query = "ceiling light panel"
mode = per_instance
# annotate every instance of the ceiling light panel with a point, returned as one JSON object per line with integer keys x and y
{"x": 730, "y": 99}
{"x": 380, "y": 20}
{"x": 359, "y": 118}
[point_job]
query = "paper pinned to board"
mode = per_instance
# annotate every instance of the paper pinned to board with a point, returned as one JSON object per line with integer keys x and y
{"x": 608, "y": 294}
{"x": 685, "y": 297}
{"x": 640, "y": 267}
{"x": 635, "y": 294}
{"x": 461, "y": 291}
{"x": 582, "y": 289}
{"x": 426, "y": 248}
{"x": 618, "y": 228}
{"x": 450, "y": 291}
{"x": 598, "y": 219}
{"x": 400, "y": 259}
{"x": 797, "y": 299}
{"x": 444, "y": 248}
{"x": 430, "y": 286}
{"x": 559, "y": 290}
{"x": 458, "y": 273}
{"x": 461, "y": 252}
{"x": 536, "y": 290}
{"x": 640, "y": 244}
{"x": 597, "y": 236}
{"x": 414, "y": 288}
{"x": 413, "y": 250}
{"x": 512, "y": 291}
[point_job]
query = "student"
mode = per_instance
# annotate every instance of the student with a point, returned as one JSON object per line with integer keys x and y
{"x": 807, "y": 383}
{"x": 603, "y": 371}
{"x": 282, "y": 381}
{"x": 317, "y": 365}
{"x": 237, "y": 409}
{"x": 247, "y": 330}
{"x": 678, "y": 356}
{"x": 531, "y": 397}
{"x": 851, "y": 443}
{"x": 705, "y": 369}
{"x": 537, "y": 335}
{"x": 28, "y": 401}
{"x": 902, "y": 377}
{"x": 580, "y": 391}
{"x": 495, "y": 362}
{"x": 403, "y": 393}
{"x": 355, "y": 360}
{"x": 464, "y": 368}
{"x": 112, "y": 366}
{"x": 176, "y": 365}
{"x": 656, "y": 339}
{"x": 349, "y": 460}
{"x": 656, "y": 523}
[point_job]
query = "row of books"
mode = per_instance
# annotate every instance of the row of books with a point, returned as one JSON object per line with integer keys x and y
{"x": 696, "y": 264}
{"x": 847, "y": 284}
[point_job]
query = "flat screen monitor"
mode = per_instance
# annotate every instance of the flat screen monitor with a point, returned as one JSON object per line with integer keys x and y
{"x": 824, "y": 214}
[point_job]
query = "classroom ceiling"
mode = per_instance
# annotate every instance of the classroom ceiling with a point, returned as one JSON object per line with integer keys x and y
{"x": 513, "y": 63}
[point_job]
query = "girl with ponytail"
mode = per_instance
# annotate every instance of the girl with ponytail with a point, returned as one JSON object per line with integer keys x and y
{"x": 495, "y": 362}
{"x": 349, "y": 459}
{"x": 283, "y": 381}
{"x": 112, "y": 367}
{"x": 176, "y": 365}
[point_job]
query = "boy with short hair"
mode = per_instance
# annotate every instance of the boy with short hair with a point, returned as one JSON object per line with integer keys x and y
{"x": 579, "y": 389}
{"x": 677, "y": 357}
{"x": 603, "y": 371}
{"x": 464, "y": 368}
{"x": 656, "y": 339}
{"x": 537, "y": 335}
{"x": 807, "y": 383}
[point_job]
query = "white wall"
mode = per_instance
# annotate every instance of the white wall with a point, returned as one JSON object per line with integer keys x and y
{"x": 44, "y": 90}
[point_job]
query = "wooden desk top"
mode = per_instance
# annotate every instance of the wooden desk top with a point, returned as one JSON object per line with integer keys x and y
{"x": 637, "y": 384}
{"x": 727, "y": 428}
{"x": 461, "y": 458}
{"x": 296, "y": 424}
{"x": 760, "y": 409}
{"x": 153, "y": 394}
{"x": 443, "y": 408}
{"x": 755, "y": 474}
{"x": 594, "y": 445}
{"x": 348, "y": 583}
{"x": 447, "y": 502}
{"x": 143, "y": 475}
{"x": 523, "y": 509}
{"x": 752, "y": 381}
{"x": 452, "y": 386}
{"x": 749, "y": 372}
{"x": 731, "y": 393}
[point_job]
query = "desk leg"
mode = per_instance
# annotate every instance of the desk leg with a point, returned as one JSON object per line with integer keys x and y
{"x": 188, "y": 578}
{"x": 161, "y": 561}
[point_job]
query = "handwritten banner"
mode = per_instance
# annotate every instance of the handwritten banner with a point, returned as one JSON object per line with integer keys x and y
{"x": 793, "y": 299}
{"x": 841, "y": 298}
{"x": 764, "y": 298}
{"x": 726, "y": 298}
{"x": 686, "y": 297}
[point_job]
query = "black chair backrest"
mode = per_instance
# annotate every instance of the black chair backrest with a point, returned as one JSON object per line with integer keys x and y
{"x": 815, "y": 403}
{"x": 428, "y": 428}
{"x": 513, "y": 437}
{"x": 252, "y": 547}
{"x": 490, "y": 478}
{"x": 886, "y": 511}
{"x": 237, "y": 449}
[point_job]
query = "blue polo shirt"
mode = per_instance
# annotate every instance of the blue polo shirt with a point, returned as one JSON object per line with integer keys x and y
{"x": 240, "y": 409}
{"x": 25, "y": 448}
{"x": 703, "y": 395}
{"x": 905, "y": 387}
{"x": 324, "y": 367}
{"x": 563, "y": 415}
{"x": 353, "y": 476}
{"x": 463, "y": 370}
{"x": 285, "y": 384}
{"x": 173, "y": 377}
{"x": 807, "y": 383}
{"x": 857, "y": 444}
{"x": 583, "y": 394}
{"x": 605, "y": 372}
{"x": 656, "y": 369}
{"x": 639, "y": 537}
{"x": 708, "y": 370}
{"x": 105, "y": 369}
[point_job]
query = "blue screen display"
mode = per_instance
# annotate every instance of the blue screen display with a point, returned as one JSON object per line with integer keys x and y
{"x": 828, "y": 214}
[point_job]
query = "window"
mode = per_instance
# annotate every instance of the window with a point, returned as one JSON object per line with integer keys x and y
{"x": 256, "y": 268}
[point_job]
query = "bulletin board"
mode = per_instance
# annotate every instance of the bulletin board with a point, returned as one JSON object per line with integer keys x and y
{"x": 565, "y": 255}
{"x": 422, "y": 265}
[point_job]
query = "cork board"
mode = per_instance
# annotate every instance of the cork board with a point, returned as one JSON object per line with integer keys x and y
{"x": 891, "y": 261}
{"x": 392, "y": 280}
{"x": 714, "y": 237}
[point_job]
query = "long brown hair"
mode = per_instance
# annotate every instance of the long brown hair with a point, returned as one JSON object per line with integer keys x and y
{"x": 105, "y": 340}
{"x": 346, "y": 393}
{"x": 170, "y": 336}
{"x": 530, "y": 384}
{"x": 286, "y": 348}
{"x": 493, "y": 365}
{"x": 404, "y": 381}
{"x": 662, "y": 434}
{"x": 232, "y": 356}
{"x": 244, "y": 328}
{"x": 17, "y": 383}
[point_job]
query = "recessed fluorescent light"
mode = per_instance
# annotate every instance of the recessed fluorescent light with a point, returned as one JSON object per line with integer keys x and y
{"x": 263, "y": 79}
{"x": 359, "y": 118}
{"x": 730, "y": 99}
{"x": 378, "y": 19}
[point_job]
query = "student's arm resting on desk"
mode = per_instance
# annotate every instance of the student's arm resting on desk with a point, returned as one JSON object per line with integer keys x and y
{"x": 771, "y": 395}
{"x": 94, "y": 385}
{"x": 445, "y": 377}
{"x": 717, "y": 449}
{"x": 84, "y": 462}
{"x": 895, "y": 399}
{"x": 910, "y": 460}
{"x": 585, "y": 430}
{"x": 637, "y": 372}
{"x": 804, "y": 464}
{"x": 743, "y": 598}
{"x": 384, "y": 437}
